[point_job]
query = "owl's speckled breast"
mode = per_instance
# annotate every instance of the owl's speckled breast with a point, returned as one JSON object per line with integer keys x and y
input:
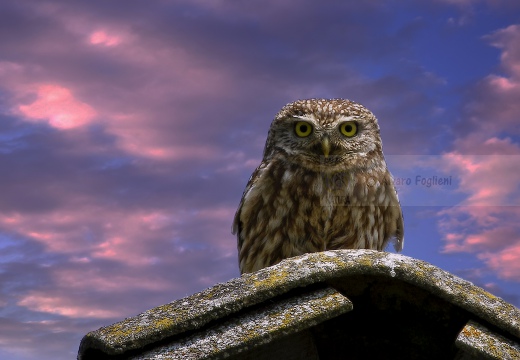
{"x": 295, "y": 211}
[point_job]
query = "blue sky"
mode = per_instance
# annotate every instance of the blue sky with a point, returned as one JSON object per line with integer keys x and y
{"x": 128, "y": 131}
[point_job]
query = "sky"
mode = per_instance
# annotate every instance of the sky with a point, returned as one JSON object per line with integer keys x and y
{"x": 129, "y": 129}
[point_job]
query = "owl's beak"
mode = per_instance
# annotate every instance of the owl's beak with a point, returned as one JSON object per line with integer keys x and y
{"x": 325, "y": 146}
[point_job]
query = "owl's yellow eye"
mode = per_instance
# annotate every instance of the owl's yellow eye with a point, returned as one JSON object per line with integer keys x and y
{"x": 348, "y": 128}
{"x": 303, "y": 129}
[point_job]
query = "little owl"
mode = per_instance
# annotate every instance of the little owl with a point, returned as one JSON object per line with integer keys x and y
{"x": 323, "y": 184}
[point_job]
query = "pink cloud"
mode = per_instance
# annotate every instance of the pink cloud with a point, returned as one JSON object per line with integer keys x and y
{"x": 135, "y": 137}
{"x": 57, "y": 106}
{"x": 496, "y": 106}
{"x": 501, "y": 84}
{"x": 101, "y": 37}
{"x": 505, "y": 262}
{"x": 89, "y": 277}
{"x": 43, "y": 301}
{"x": 65, "y": 230}
{"x": 150, "y": 118}
{"x": 489, "y": 180}
{"x": 502, "y": 233}
{"x": 507, "y": 40}
{"x": 486, "y": 223}
{"x": 139, "y": 243}
{"x": 122, "y": 235}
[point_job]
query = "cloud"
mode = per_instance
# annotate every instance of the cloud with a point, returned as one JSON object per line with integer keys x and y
{"x": 128, "y": 236}
{"x": 146, "y": 82}
{"x": 101, "y": 37}
{"x": 489, "y": 180}
{"x": 47, "y": 339}
{"x": 61, "y": 305}
{"x": 155, "y": 80}
{"x": 506, "y": 262}
{"x": 495, "y": 104}
{"x": 486, "y": 162}
{"x": 479, "y": 229}
{"x": 57, "y": 106}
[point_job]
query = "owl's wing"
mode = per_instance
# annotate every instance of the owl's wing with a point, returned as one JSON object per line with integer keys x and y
{"x": 399, "y": 232}
{"x": 236, "y": 228}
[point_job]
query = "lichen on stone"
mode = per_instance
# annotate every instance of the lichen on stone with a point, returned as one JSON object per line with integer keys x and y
{"x": 480, "y": 342}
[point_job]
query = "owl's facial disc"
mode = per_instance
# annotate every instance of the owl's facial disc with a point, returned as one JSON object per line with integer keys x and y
{"x": 304, "y": 128}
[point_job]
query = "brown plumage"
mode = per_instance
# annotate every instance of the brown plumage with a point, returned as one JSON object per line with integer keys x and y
{"x": 323, "y": 184}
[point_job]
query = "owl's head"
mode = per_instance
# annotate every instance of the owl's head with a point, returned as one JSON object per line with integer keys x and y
{"x": 323, "y": 134}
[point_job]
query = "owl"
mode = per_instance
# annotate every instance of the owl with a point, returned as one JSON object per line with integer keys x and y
{"x": 323, "y": 184}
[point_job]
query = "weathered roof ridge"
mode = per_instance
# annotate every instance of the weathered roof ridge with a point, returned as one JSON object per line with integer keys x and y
{"x": 227, "y": 298}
